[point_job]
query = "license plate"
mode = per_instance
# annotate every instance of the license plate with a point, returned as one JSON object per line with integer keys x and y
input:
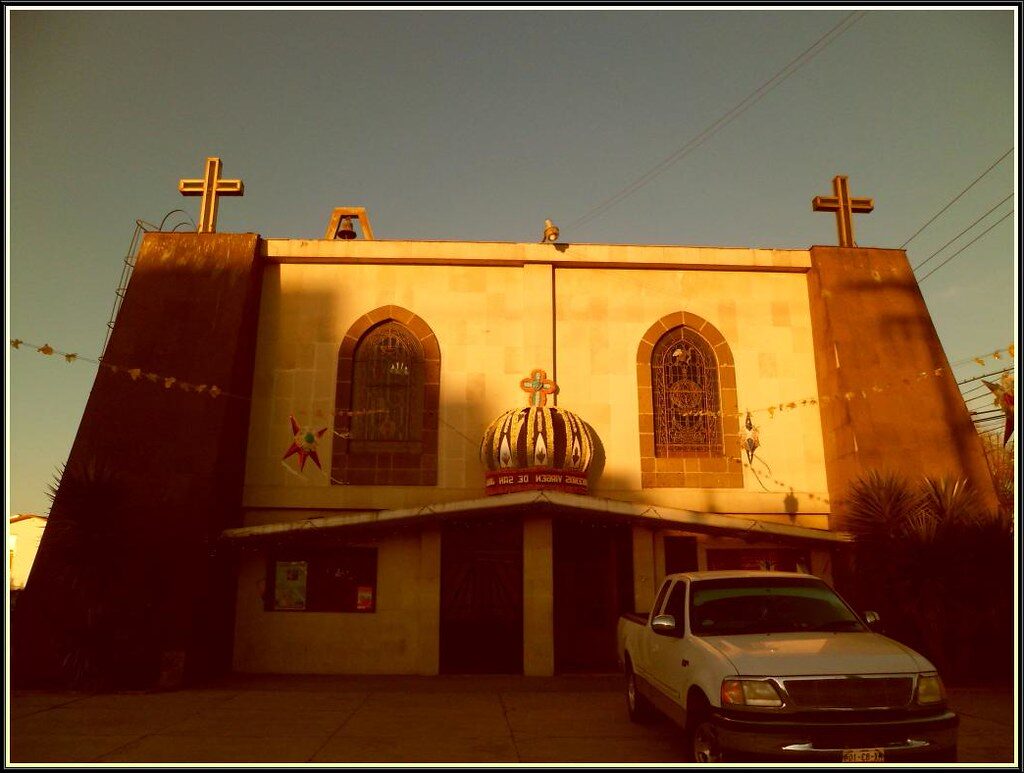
{"x": 863, "y": 755}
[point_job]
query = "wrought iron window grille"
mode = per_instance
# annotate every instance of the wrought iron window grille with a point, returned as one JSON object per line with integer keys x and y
{"x": 685, "y": 390}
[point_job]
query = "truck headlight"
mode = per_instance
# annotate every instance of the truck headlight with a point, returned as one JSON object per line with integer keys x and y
{"x": 930, "y": 689}
{"x": 750, "y": 692}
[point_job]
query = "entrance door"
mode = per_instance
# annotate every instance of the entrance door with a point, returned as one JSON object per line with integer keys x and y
{"x": 482, "y": 597}
{"x": 593, "y": 579}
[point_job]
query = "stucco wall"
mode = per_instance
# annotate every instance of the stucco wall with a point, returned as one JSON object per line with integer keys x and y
{"x": 475, "y": 314}
{"x": 23, "y": 538}
{"x": 400, "y": 637}
{"x": 581, "y": 321}
{"x": 602, "y": 316}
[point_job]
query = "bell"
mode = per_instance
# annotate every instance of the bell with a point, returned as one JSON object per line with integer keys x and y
{"x": 345, "y": 230}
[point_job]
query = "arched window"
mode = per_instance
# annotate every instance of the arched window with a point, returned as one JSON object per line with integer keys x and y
{"x": 687, "y": 406}
{"x": 689, "y": 423}
{"x": 388, "y": 390}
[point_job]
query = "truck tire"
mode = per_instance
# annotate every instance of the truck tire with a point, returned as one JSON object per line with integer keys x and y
{"x": 701, "y": 737}
{"x": 640, "y": 709}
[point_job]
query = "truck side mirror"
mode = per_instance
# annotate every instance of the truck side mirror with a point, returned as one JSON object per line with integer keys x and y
{"x": 666, "y": 626}
{"x": 873, "y": 620}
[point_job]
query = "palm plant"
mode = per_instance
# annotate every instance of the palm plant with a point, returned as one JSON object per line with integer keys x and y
{"x": 1001, "y": 463}
{"x": 938, "y": 567}
{"x": 101, "y": 581}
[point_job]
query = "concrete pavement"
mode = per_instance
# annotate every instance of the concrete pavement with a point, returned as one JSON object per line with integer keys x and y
{"x": 351, "y": 719}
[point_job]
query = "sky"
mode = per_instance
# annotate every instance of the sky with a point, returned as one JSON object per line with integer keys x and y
{"x": 477, "y": 125}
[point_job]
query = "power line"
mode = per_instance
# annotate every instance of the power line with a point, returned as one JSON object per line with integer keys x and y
{"x": 977, "y": 407}
{"x": 972, "y": 241}
{"x": 980, "y": 396}
{"x": 984, "y": 375}
{"x": 956, "y": 198}
{"x": 819, "y": 45}
{"x": 989, "y": 420}
{"x": 997, "y": 354}
{"x": 968, "y": 228}
{"x": 974, "y": 388}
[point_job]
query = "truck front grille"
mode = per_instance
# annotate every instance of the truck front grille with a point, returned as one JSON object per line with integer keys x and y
{"x": 850, "y": 692}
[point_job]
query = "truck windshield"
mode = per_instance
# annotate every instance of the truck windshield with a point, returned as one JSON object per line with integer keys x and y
{"x": 770, "y": 605}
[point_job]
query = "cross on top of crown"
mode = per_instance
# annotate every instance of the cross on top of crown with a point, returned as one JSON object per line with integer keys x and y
{"x": 538, "y": 386}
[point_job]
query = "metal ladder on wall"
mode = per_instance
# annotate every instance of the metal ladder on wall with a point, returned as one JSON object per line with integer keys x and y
{"x": 141, "y": 227}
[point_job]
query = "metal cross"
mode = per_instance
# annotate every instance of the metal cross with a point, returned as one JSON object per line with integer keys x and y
{"x": 210, "y": 187}
{"x": 538, "y": 386}
{"x": 843, "y": 206}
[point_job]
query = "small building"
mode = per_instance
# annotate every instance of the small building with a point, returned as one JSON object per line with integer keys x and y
{"x": 24, "y": 533}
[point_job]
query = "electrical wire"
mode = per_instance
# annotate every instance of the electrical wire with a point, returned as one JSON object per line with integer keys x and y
{"x": 974, "y": 388}
{"x": 972, "y": 241}
{"x": 995, "y": 355}
{"x": 956, "y": 198}
{"x": 993, "y": 420}
{"x": 749, "y": 101}
{"x": 968, "y": 228}
{"x": 984, "y": 375}
{"x": 979, "y": 396}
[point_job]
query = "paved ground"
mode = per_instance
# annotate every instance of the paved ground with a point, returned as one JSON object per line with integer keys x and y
{"x": 288, "y": 719}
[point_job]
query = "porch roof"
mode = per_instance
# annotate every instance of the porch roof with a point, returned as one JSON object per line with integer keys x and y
{"x": 550, "y": 502}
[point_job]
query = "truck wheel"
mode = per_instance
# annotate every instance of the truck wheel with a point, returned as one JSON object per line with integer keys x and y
{"x": 700, "y": 734}
{"x": 703, "y": 742}
{"x": 639, "y": 708}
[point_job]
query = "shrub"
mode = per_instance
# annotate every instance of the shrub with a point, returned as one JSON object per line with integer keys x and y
{"x": 938, "y": 568}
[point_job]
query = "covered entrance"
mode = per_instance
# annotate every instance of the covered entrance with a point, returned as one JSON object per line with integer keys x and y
{"x": 482, "y": 596}
{"x": 593, "y": 585}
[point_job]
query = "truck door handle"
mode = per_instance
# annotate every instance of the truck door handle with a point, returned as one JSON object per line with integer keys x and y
{"x": 685, "y": 663}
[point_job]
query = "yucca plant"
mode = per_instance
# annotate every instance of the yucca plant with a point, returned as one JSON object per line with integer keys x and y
{"x": 938, "y": 567}
{"x": 1001, "y": 464}
{"x": 103, "y": 582}
{"x": 882, "y": 506}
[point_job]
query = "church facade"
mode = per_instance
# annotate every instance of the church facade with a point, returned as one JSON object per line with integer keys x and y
{"x": 419, "y": 457}
{"x": 394, "y": 358}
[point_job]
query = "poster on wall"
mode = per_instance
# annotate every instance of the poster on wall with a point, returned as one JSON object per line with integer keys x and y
{"x": 290, "y": 585}
{"x": 364, "y": 598}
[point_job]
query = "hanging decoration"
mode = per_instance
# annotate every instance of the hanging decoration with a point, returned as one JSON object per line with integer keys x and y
{"x": 135, "y": 374}
{"x": 983, "y": 359}
{"x": 785, "y": 486}
{"x": 751, "y": 440}
{"x": 304, "y": 442}
{"x": 538, "y": 386}
{"x": 1003, "y": 392}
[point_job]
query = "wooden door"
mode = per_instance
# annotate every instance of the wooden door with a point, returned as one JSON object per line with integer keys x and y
{"x": 593, "y": 585}
{"x": 482, "y": 597}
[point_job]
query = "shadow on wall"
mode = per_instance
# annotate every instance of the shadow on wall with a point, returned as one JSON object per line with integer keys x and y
{"x": 946, "y": 440}
{"x": 597, "y": 464}
{"x": 464, "y": 440}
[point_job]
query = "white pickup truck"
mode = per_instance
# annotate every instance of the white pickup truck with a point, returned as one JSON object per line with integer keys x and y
{"x": 776, "y": 666}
